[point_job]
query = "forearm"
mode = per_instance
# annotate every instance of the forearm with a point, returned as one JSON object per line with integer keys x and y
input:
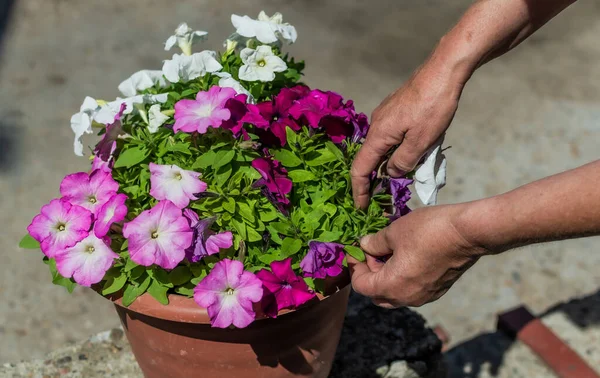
{"x": 563, "y": 206}
{"x": 487, "y": 30}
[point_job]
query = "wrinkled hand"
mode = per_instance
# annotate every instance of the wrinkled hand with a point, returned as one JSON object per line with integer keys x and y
{"x": 414, "y": 116}
{"x": 429, "y": 252}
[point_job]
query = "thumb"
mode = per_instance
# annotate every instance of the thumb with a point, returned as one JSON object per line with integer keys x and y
{"x": 404, "y": 159}
{"x": 377, "y": 244}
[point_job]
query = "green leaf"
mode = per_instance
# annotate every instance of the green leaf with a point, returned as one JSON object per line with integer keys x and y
{"x": 290, "y": 246}
{"x": 229, "y": 205}
{"x": 130, "y": 157}
{"x": 240, "y": 227}
{"x": 180, "y": 275}
{"x": 320, "y": 157}
{"x": 291, "y": 136}
{"x": 161, "y": 276}
{"x": 28, "y": 242}
{"x": 57, "y": 279}
{"x": 330, "y": 236}
{"x": 335, "y": 150}
{"x": 287, "y": 158}
{"x": 223, "y": 175}
{"x": 300, "y": 175}
{"x": 159, "y": 292}
{"x": 355, "y": 252}
{"x": 129, "y": 265}
{"x": 187, "y": 290}
{"x": 282, "y": 228}
{"x": 114, "y": 284}
{"x": 204, "y": 161}
{"x": 134, "y": 290}
{"x": 246, "y": 212}
{"x": 223, "y": 157}
{"x": 253, "y": 236}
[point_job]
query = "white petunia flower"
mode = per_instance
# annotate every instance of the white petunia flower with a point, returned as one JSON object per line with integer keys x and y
{"x": 185, "y": 37}
{"x": 260, "y": 64}
{"x": 185, "y": 68}
{"x": 142, "y": 80}
{"x": 430, "y": 177}
{"x": 227, "y": 81}
{"x": 108, "y": 111}
{"x": 157, "y": 119}
{"x": 266, "y": 29}
{"x": 81, "y": 123}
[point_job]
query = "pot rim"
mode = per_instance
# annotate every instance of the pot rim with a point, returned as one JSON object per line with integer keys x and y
{"x": 185, "y": 310}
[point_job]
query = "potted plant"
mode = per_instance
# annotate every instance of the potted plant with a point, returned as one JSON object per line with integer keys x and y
{"x": 217, "y": 212}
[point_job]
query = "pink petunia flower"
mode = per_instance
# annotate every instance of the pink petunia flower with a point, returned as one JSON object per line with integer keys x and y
{"x": 60, "y": 225}
{"x": 87, "y": 261}
{"x": 282, "y": 288}
{"x": 228, "y": 293}
{"x": 175, "y": 184}
{"x": 113, "y": 211}
{"x": 89, "y": 191}
{"x": 207, "y": 110}
{"x": 274, "y": 178}
{"x": 158, "y": 236}
{"x": 311, "y": 108}
{"x": 206, "y": 242}
{"x": 323, "y": 259}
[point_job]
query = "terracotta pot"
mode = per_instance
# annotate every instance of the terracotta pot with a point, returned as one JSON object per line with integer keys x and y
{"x": 177, "y": 341}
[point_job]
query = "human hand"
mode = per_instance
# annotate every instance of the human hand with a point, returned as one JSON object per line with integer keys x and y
{"x": 429, "y": 250}
{"x": 414, "y": 116}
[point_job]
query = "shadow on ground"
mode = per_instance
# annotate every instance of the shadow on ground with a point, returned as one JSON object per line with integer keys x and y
{"x": 487, "y": 351}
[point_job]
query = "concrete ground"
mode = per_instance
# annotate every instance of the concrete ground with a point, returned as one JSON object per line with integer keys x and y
{"x": 530, "y": 114}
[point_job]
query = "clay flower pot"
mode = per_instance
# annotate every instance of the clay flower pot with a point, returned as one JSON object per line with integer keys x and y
{"x": 177, "y": 341}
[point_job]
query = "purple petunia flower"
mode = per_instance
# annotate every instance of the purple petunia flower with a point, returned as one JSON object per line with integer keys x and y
{"x": 400, "y": 195}
{"x": 274, "y": 177}
{"x": 107, "y": 145}
{"x": 87, "y": 261}
{"x": 174, "y": 184}
{"x": 323, "y": 259}
{"x": 207, "y": 110}
{"x": 89, "y": 191}
{"x": 159, "y": 236}
{"x": 205, "y": 242}
{"x": 311, "y": 108}
{"x": 60, "y": 225}
{"x": 282, "y": 288}
{"x": 227, "y": 293}
{"x": 113, "y": 211}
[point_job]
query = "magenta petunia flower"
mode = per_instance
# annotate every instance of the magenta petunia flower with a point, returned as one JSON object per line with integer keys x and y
{"x": 207, "y": 110}
{"x": 227, "y": 293}
{"x": 113, "y": 211}
{"x": 104, "y": 166}
{"x": 323, "y": 259}
{"x": 337, "y": 128}
{"x": 107, "y": 145}
{"x": 277, "y": 113}
{"x": 60, "y": 225}
{"x": 311, "y": 108}
{"x": 274, "y": 178}
{"x": 282, "y": 288}
{"x": 242, "y": 113}
{"x": 159, "y": 236}
{"x": 87, "y": 261}
{"x": 89, "y": 191}
{"x": 400, "y": 195}
{"x": 175, "y": 184}
{"x": 205, "y": 242}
